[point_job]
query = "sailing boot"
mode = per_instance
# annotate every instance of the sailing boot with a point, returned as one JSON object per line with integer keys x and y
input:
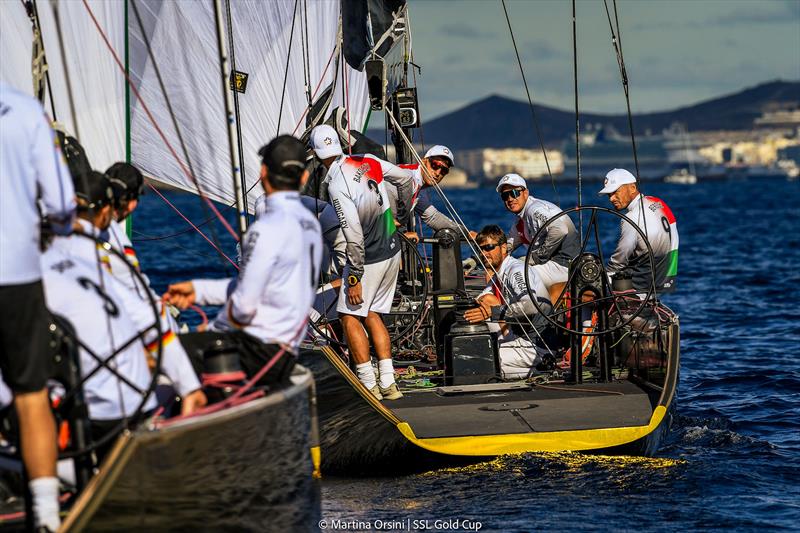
{"x": 376, "y": 391}
{"x": 391, "y": 392}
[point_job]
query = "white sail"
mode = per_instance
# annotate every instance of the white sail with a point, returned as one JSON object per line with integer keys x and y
{"x": 98, "y": 86}
{"x": 181, "y": 35}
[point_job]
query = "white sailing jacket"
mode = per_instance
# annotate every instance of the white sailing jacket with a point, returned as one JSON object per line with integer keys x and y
{"x": 508, "y": 284}
{"x": 31, "y": 164}
{"x": 279, "y": 274}
{"x": 410, "y": 197}
{"x": 560, "y": 243}
{"x": 658, "y": 223}
{"x": 358, "y": 194}
{"x": 105, "y": 316}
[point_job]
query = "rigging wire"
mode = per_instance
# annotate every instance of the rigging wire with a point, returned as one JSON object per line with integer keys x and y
{"x": 462, "y": 227}
{"x": 286, "y": 70}
{"x": 67, "y": 82}
{"x": 161, "y": 134}
{"x": 530, "y": 104}
{"x": 577, "y": 117}
{"x": 176, "y": 127}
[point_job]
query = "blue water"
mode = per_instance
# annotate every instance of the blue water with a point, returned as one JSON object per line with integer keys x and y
{"x": 732, "y": 459}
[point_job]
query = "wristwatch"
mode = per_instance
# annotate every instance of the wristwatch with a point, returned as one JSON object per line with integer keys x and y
{"x": 353, "y": 280}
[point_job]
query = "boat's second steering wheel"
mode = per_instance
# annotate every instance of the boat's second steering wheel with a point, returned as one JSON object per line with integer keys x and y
{"x": 618, "y": 304}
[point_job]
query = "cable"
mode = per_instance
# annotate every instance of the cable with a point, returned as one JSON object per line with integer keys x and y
{"x": 236, "y": 105}
{"x": 286, "y": 70}
{"x": 530, "y": 104}
{"x": 577, "y": 117}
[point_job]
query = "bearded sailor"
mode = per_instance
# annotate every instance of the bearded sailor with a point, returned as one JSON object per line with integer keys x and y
{"x": 127, "y": 184}
{"x": 655, "y": 219}
{"x": 265, "y": 309}
{"x": 357, "y": 191}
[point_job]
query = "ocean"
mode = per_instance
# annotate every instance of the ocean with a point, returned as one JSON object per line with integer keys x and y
{"x": 732, "y": 458}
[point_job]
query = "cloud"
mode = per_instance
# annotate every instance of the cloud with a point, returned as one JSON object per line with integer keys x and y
{"x": 542, "y": 50}
{"x": 464, "y": 31}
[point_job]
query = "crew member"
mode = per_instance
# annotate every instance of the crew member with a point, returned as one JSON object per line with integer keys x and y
{"x": 127, "y": 184}
{"x": 410, "y": 196}
{"x": 506, "y": 297}
{"x": 31, "y": 167}
{"x": 655, "y": 219}
{"x": 358, "y": 194}
{"x": 105, "y": 314}
{"x": 266, "y": 307}
{"x": 555, "y": 247}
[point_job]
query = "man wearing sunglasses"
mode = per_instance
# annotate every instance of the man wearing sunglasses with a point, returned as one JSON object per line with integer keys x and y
{"x": 506, "y": 297}
{"x": 409, "y": 196}
{"x": 555, "y": 247}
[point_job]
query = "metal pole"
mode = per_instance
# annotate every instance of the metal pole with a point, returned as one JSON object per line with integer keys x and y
{"x": 232, "y": 144}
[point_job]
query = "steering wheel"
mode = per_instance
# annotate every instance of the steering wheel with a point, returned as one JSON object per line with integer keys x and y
{"x": 408, "y": 306}
{"x": 618, "y": 302}
{"x": 69, "y": 343}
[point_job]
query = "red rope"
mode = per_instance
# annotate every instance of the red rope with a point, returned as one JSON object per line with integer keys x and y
{"x": 158, "y": 129}
{"x": 198, "y": 230}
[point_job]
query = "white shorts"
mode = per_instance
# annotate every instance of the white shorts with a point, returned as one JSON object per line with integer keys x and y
{"x": 552, "y": 273}
{"x": 377, "y": 288}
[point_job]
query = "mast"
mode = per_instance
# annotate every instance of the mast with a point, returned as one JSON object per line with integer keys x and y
{"x": 232, "y": 144}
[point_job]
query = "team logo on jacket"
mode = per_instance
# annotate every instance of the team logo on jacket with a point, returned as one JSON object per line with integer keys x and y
{"x": 363, "y": 169}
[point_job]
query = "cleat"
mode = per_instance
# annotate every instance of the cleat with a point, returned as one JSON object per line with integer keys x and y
{"x": 376, "y": 391}
{"x": 391, "y": 392}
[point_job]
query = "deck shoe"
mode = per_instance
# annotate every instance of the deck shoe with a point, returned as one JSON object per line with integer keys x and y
{"x": 376, "y": 391}
{"x": 391, "y": 392}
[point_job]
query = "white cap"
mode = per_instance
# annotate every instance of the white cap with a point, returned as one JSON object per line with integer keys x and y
{"x": 442, "y": 151}
{"x": 514, "y": 180}
{"x": 325, "y": 142}
{"x": 615, "y": 179}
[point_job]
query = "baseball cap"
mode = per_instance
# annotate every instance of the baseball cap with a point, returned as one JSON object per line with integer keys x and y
{"x": 93, "y": 190}
{"x": 514, "y": 180}
{"x": 441, "y": 151}
{"x": 325, "y": 142}
{"x": 615, "y": 179}
{"x": 285, "y": 159}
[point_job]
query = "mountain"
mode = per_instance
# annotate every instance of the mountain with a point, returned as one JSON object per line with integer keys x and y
{"x": 500, "y": 122}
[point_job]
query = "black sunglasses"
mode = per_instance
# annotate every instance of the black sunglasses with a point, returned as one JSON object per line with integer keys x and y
{"x": 513, "y": 193}
{"x": 489, "y": 247}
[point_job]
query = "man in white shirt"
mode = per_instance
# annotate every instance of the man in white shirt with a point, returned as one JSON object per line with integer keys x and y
{"x": 506, "y": 296}
{"x": 655, "y": 219}
{"x": 358, "y": 194}
{"x": 31, "y": 168}
{"x": 556, "y": 246}
{"x": 127, "y": 184}
{"x": 265, "y": 309}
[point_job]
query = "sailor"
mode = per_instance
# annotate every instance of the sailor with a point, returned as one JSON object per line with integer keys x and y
{"x": 555, "y": 247}
{"x": 266, "y": 307}
{"x": 76, "y": 289}
{"x": 358, "y": 194}
{"x": 410, "y": 196}
{"x": 31, "y": 167}
{"x": 655, "y": 219}
{"x": 127, "y": 184}
{"x": 506, "y": 297}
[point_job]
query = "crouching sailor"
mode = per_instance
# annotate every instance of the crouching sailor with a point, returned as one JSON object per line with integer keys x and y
{"x": 266, "y": 307}
{"x": 105, "y": 315}
{"x": 506, "y": 297}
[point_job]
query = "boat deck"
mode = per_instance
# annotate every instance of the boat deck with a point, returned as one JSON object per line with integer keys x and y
{"x": 519, "y": 408}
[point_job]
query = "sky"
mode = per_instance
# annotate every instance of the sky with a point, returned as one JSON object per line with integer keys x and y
{"x": 677, "y": 52}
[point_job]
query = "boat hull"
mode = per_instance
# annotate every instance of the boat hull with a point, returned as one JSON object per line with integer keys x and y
{"x": 247, "y": 467}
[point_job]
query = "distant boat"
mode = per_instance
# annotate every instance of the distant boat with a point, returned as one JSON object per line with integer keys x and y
{"x": 789, "y": 166}
{"x": 681, "y": 176}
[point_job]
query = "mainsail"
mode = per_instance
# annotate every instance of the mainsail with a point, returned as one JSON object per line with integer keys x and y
{"x": 181, "y": 36}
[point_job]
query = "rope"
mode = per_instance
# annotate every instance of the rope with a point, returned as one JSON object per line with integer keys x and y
{"x": 327, "y": 65}
{"x": 147, "y": 111}
{"x": 530, "y": 104}
{"x": 236, "y": 105}
{"x": 286, "y": 70}
{"x": 461, "y": 226}
{"x": 577, "y": 117}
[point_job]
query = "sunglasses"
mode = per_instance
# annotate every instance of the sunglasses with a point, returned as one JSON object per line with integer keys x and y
{"x": 443, "y": 168}
{"x": 489, "y": 247}
{"x": 513, "y": 193}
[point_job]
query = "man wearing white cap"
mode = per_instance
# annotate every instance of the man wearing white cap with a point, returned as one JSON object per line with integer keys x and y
{"x": 408, "y": 196}
{"x": 656, "y": 220}
{"x": 555, "y": 247}
{"x": 358, "y": 194}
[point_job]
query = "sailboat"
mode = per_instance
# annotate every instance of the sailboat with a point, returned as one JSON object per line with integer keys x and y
{"x": 140, "y": 80}
{"x": 683, "y": 176}
{"x": 616, "y": 397}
